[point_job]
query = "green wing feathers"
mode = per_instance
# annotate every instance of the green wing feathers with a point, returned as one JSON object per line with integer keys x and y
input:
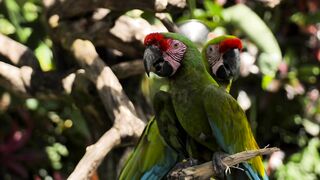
{"x": 230, "y": 125}
{"x": 152, "y": 157}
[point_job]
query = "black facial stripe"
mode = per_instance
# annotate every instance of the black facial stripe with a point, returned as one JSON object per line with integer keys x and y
{"x": 175, "y": 55}
{"x": 213, "y": 60}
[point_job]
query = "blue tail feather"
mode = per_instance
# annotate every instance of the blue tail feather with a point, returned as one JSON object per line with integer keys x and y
{"x": 245, "y": 172}
{"x": 160, "y": 170}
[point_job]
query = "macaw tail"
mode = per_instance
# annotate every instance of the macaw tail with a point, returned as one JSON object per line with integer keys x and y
{"x": 245, "y": 172}
{"x": 252, "y": 174}
{"x": 151, "y": 159}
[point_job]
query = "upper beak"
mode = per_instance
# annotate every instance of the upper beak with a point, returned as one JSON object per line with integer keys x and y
{"x": 151, "y": 55}
{"x": 231, "y": 60}
{"x": 232, "y": 54}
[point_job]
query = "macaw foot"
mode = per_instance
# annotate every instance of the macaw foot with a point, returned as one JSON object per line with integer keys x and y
{"x": 218, "y": 166}
{"x": 176, "y": 172}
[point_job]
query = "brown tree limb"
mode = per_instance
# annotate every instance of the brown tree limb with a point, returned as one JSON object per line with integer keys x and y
{"x": 125, "y": 36}
{"x": 127, "y": 69}
{"x": 95, "y": 154}
{"x": 12, "y": 77}
{"x": 206, "y": 170}
{"x": 171, "y": 26}
{"x": 17, "y": 53}
{"x": 116, "y": 103}
{"x": 26, "y": 79}
{"x": 71, "y": 8}
{"x": 26, "y": 82}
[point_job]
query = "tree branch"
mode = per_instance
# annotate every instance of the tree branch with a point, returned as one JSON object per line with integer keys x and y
{"x": 127, "y": 69}
{"x": 17, "y": 53}
{"x": 206, "y": 170}
{"x": 116, "y": 103}
{"x": 171, "y": 26}
{"x": 26, "y": 82}
{"x": 12, "y": 77}
{"x": 126, "y": 35}
{"x": 95, "y": 154}
{"x": 71, "y": 8}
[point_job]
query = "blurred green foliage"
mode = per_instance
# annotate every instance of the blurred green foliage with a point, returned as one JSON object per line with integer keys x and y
{"x": 302, "y": 165}
{"x": 282, "y": 84}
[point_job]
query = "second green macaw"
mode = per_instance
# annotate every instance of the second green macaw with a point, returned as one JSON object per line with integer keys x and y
{"x": 206, "y": 112}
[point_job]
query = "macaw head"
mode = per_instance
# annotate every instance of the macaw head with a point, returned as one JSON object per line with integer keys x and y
{"x": 221, "y": 56}
{"x": 164, "y": 53}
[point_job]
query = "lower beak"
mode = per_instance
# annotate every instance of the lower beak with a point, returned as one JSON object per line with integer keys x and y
{"x": 151, "y": 55}
{"x": 223, "y": 73}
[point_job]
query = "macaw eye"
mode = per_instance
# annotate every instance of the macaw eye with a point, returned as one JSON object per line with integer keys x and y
{"x": 212, "y": 50}
{"x": 176, "y": 45}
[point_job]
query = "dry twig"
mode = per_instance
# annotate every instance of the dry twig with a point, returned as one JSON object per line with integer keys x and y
{"x": 206, "y": 170}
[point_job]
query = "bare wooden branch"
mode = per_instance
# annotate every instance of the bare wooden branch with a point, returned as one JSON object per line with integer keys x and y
{"x": 206, "y": 170}
{"x": 116, "y": 103}
{"x": 70, "y": 8}
{"x": 127, "y": 69}
{"x": 26, "y": 82}
{"x": 95, "y": 154}
{"x": 171, "y": 27}
{"x": 125, "y": 36}
{"x": 13, "y": 77}
{"x": 17, "y": 53}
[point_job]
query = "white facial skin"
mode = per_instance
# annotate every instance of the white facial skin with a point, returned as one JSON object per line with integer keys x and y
{"x": 214, "y": 57}
{"x": 174, "y": 54}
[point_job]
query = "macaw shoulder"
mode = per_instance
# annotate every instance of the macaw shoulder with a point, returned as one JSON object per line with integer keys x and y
{"x": 215, "y": 96}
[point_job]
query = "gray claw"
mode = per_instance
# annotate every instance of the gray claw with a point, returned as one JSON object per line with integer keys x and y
{"x": 218, "y": 165}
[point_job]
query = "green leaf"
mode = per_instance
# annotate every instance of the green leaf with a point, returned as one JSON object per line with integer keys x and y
{"x": 32, "y": 103}
{"x": 30, "y": 11}
{"x": 6, "y": 27}
{"x": 61, "y": 149}
{"x": 44, "y": 55}
{"x": 266, "y": 80}
{"x": 16, "y": 18}
{"x": 213, "y": 9}
{"x": 192, "y": 4}
{"x": 305, "y": 19}
{"x": 259, "y": 33}
{"x": 149, "y": 16}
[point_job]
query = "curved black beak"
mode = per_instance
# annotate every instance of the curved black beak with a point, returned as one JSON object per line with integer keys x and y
{"x": 153, "y": 61}
{"x": 231, "y": 62}
{"x": 151, "y": 55}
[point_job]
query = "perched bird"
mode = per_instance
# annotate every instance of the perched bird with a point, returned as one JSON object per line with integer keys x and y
{"x": 209, "y": 115}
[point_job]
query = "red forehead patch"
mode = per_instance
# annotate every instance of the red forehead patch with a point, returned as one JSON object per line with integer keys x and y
{"x": 153, "y": 38}
{"x": 157, "y": 39}
{"x": 232, "y": 43}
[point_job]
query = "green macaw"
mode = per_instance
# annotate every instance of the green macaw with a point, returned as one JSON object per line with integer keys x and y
{"x": 209, "y": 115}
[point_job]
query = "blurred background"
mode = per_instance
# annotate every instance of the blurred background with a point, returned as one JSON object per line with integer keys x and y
{"x": 46, "y": 127}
